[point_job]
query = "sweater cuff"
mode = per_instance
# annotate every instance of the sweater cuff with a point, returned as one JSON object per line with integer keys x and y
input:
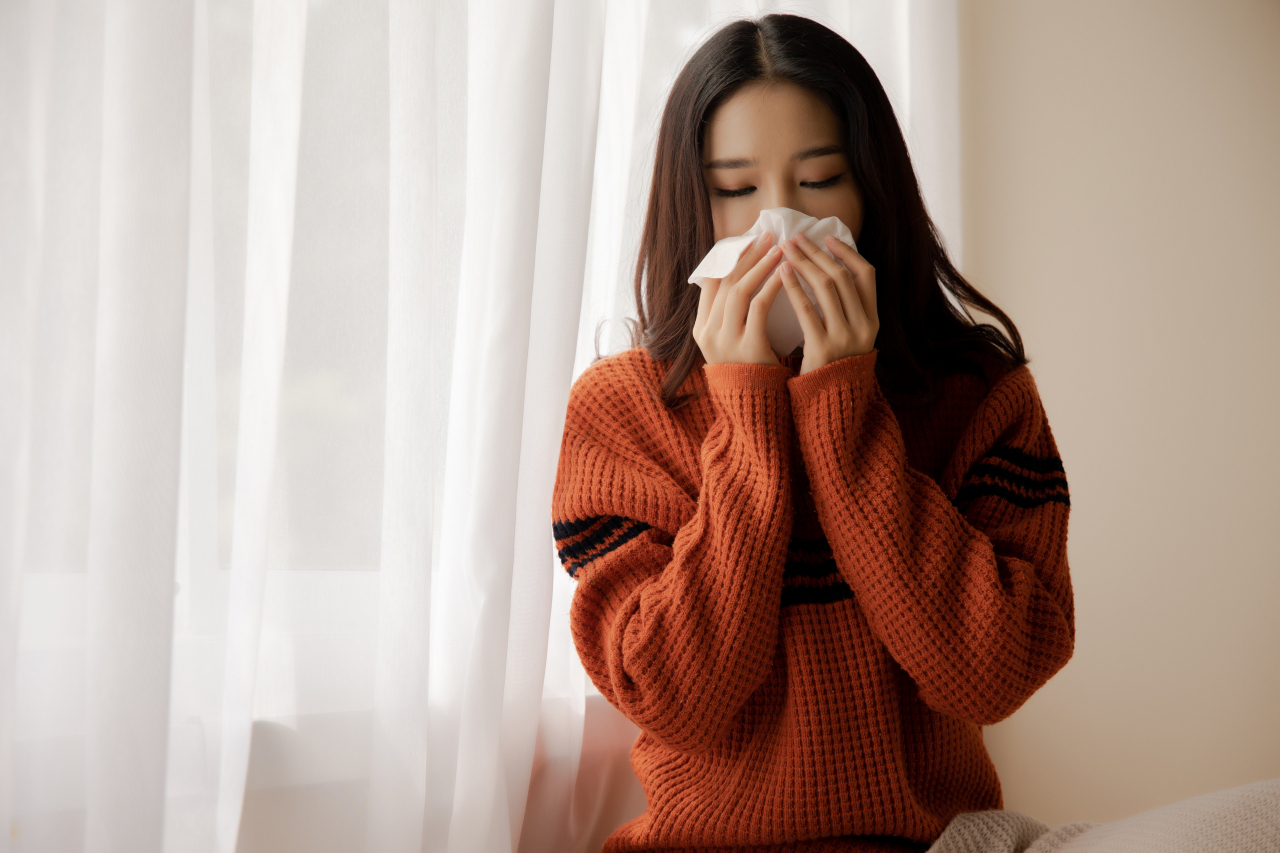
{"x": 753, "y": 397}
{"x": 850, "y": 372}
{"x": 739, "y": 378}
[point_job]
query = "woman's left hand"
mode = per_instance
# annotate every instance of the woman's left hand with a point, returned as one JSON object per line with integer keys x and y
{"x": 846, "y": 294}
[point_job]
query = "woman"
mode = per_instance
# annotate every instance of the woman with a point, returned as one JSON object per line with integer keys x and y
{"x": 810, "y": 579}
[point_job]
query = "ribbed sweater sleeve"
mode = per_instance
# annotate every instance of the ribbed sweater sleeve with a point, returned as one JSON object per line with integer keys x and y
{"x": 676, "y": 612}
{"x": 963, "y": 579}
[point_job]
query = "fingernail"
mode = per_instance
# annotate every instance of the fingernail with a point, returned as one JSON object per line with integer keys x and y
{"x": 802, "y": 236}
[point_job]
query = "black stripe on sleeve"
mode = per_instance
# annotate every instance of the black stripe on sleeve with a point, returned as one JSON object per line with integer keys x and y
{"x": 569, "y": 529}
{"x": 809, "y": 558}
{"x": 978, "y": 490}
{"x": 597, "y": 537}
{"x": 809, "y": 546}
{"x": 997, "y": 472}
{"x": 604, "y": 539}
{"x": 1038, "y": 464}
{"x": 810, "y": 568}
{"x": 828, "y": 594}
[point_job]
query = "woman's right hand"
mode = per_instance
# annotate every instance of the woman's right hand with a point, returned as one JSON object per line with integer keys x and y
{"x": 730, "y": 328}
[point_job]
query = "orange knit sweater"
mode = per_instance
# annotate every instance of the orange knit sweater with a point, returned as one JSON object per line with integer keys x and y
{"x": 811, "y": 603}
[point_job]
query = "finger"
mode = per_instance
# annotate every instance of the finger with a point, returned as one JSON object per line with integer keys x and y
{"x": 750, "y": 256}
{"x": 806, "y": 311}
{"x": 846, "y": 289}
{"x": 824, "y": 286}
{"x": 757, "y": 249}
{"x": 715, "y": 312}
{"x": 751, "y": 281}
{"x": 705, "y": 298}
{"x": 864, "y": 275}
{"x": 758, "y": 313}
{"x": 741, "y": 292}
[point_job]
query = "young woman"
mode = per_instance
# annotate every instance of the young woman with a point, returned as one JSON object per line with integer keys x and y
{"x": 809, "y": 578}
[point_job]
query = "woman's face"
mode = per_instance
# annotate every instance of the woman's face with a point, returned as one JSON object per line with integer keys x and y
{"x": 776, "y": 145}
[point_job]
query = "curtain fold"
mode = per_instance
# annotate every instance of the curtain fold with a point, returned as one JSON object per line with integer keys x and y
{"x": 559, "y": 265}
{"x": 505, "y": 129}
{"x": 275, "y": 103}
{"x": 398, "y": 761}
{"x": 137, "y": 406}
{"x": 292, "y": 294}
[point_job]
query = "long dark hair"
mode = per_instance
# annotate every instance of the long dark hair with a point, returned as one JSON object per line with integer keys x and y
{"x": 926, "y": 331}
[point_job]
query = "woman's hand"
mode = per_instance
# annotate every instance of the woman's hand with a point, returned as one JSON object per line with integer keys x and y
{"x": 847, "y": 295}
{"x": 730, "y": 328}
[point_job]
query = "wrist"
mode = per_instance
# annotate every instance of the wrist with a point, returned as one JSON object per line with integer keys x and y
{"x": 853, "y": 370}
{"x": 736, "y": 376}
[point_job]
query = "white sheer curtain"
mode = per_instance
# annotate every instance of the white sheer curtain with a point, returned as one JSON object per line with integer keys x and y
{"x": 291, "y": 297}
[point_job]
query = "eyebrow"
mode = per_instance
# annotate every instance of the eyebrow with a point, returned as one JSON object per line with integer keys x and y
{"x": 743, "y": 163}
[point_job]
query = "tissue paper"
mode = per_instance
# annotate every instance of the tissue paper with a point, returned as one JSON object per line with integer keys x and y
{"x": 782, "y": 326}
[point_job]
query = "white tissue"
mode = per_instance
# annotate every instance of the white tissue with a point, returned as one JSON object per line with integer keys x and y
{"x": 782, "y": 326}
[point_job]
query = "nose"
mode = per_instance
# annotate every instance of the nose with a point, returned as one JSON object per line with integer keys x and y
{"x": 778, "y": 193}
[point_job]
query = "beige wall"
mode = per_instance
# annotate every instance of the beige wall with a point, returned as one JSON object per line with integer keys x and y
{"x": 1122, "y": 203}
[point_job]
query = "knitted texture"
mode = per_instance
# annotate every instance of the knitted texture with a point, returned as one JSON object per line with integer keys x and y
{"x": 1245, "y": 819}
{"x": 809, "y": 602}
{"x": 994, "y": 831}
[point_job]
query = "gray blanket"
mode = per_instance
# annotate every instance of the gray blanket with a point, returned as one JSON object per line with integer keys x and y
{"x": 1237, "y": 820}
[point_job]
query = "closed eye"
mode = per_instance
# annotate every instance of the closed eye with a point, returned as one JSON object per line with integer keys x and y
{"x": 822, "y": 185}
{"x": 809, "y": 185}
